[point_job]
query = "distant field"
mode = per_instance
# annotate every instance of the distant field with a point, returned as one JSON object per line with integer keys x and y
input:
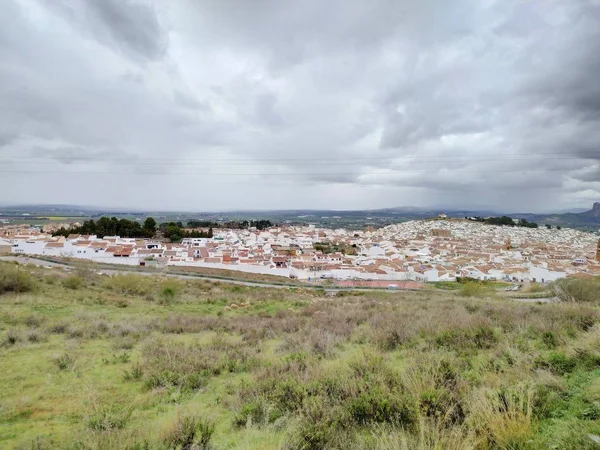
{"x": 41, "y": 220}
{"x": 132, "y": 362}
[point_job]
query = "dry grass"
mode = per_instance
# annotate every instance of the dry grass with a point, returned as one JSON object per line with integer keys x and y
{"x": 291, "y": 369}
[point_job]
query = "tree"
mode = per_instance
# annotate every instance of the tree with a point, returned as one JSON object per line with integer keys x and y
{"x": 150, "y": 225}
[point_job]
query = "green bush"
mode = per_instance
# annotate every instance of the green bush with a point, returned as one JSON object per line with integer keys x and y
{"x": 14, "y": 279}
{"x": 108, "y": 418}
{"x": 549, "y": 339}
{"x": 129, "y": 284}
{"x": 73, "y": 282}
{"x": 561, "y": 364}
{"x": 189, "y": 432}
{"x": 376, "y": 406}
{"x": 557, "y": 362}
{"x": 482, "y": 337}
{"x": 472, "y": 289}
{"x": 257, "y": 412}
{"x": 64, "y": 361}
{"x": 135, "y": 373}
{"x": 12, "y": 337}
{"x": 577, "y": 290}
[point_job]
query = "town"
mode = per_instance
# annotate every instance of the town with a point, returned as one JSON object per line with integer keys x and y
{"x": 431, "y": 250}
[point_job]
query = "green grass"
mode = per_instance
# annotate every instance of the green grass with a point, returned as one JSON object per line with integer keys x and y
{"x": 137, "y": 362}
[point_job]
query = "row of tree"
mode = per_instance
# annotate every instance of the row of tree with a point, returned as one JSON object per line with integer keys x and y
{"x": 235, "y": 224}
{"x": 175, "y": 232}
{"x": 111, "y": 226}
{"x": 507, "y": 221}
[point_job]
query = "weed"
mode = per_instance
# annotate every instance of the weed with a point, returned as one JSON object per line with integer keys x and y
{"x": 135, "y": 373}
{"x": 12, "y": 337}
{"x": 107, "y": 418}
{"x": 66, "y": 361}
{"x": 189, "y": 432}
{"x": 35, "y": 336}
{"x": 73, "y": 282}
{"x": 14, "y": 279}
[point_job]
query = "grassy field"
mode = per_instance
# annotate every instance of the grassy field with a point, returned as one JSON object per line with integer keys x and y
{"x": 131, "y": 362}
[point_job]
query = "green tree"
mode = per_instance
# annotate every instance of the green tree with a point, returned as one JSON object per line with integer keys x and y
{"x": 150, "y": 225}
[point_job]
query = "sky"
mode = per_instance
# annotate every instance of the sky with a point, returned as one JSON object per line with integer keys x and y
{"x": 210, "y": 105}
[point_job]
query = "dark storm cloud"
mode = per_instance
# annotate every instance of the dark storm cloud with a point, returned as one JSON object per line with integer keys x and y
{"x": 347, "y": 104}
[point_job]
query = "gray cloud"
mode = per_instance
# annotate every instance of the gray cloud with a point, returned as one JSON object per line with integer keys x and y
{"x": 131, "y": 26}
{"x": 271, "y": 104}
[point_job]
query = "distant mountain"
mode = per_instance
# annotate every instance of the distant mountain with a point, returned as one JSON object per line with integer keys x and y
{"x": 586, "y": 220}
{"x": 592, "y": 213}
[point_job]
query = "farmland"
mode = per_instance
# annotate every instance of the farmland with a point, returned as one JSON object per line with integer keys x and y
{"x": 99, "y": 362}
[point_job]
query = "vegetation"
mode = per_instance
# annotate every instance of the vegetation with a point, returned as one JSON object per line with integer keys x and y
{"x": 506, "y": 221}
{"x": 335, "y": 247}
{"x": 111, "y": 226}
{"x": 234, "y": 224}
{"x": 15, "y": 279}
{"x": 175, "y": 232}
{"x": 577, "y": 290}
{"x": 135, "y": 362}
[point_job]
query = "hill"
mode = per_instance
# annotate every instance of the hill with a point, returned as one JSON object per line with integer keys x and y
{"x": 129, "y": 362}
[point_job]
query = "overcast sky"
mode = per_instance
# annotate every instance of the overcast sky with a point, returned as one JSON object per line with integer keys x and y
{"x": 346, "y": 104}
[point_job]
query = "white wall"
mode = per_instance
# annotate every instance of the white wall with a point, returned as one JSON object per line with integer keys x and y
{"x": 540, "y": 273}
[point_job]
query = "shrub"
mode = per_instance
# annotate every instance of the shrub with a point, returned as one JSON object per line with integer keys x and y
{"x": 257, "y": 412}
{"x": 390, "y": 338}
{"x": 135, "y": 373}
{"x": 33, "y": 320}
{"x": 376, "y": 406}
{"x": 107, "y": 418}
{"x": 558, "y": 363}
{"x": 317, "y": 427}
{"x": 482, "y": 337}
{"x": 13, "y": 279}
{"x": 64, "y": 361}
{"x": 129, "y": 284}
{"x": 35, "y": 336}
{"x": 73, "y": 282}
{"x": 549, "y": 339}
{"x": 472, "y": 289}
{"x": 577, "y": 290}
{"x": 170, "y": 363}
{"x": 59, "y": 328}
{"x": 169, "y": 290}
{"x": 504, "y": 417}
{"x": 189, "y": 432}
{"x": 12, "y": 337}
